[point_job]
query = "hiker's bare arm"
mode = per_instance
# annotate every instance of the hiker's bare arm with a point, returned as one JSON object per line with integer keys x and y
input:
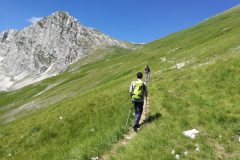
{"x": 131, "y": 89}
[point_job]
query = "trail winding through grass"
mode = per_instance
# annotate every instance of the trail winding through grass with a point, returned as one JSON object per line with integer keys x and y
{"x": 127, "y": 137}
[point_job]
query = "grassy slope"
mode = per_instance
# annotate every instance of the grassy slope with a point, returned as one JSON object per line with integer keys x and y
{"x": 203, "y": 95}
{"x": 86, "y": 127}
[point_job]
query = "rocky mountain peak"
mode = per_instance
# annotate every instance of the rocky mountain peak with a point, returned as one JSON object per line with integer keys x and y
{"x": 45, "y": 49}
{"x": 61, "y": 14}
{"x": 8, "y": 35}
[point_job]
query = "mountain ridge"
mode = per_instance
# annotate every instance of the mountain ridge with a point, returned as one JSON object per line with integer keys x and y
{"x": 46, "y": 48}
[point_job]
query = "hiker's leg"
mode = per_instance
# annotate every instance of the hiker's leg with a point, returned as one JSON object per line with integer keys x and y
{"x": 138, "y": 112}
{"x": 135, "y": 114}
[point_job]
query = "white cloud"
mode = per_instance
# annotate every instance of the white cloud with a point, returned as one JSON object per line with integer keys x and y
{"x": 33, "y": 20}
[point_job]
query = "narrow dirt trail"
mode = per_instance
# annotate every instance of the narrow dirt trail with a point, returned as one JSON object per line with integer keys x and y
{"x": 127, "y": 137}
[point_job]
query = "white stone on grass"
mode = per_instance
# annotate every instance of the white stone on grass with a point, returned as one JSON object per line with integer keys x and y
{"x": 177, "y": 156}
{"x": 124, "y": 143}
{"x": 94, "y": 158}
{"x": 225, "y": 29}
{"x": 174, "y": 49}
{"x": 191, "y": 133}
{"x": 197, "y": 148}
{"x": 60, "y": 117}
{"x": 163, "y": 59}
{"x": 185, "y": 153}
{"x": 173, "y": 152}
{"x": 180, "y": 65}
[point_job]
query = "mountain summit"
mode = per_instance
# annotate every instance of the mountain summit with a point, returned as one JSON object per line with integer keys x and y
{"x": 45, "y": 49}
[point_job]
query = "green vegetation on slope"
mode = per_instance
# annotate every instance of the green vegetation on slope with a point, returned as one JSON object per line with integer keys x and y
{"x": 204, "y": 94}
{"x": 80, "y": 125}
{"x": 195, "y": 84}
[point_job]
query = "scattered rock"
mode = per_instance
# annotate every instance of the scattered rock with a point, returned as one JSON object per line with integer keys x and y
{"x": 174, "y": 49}
{"x": 124, "y": 143}
{"x": 226, "y": 29}
{"x": 191, "y": 133}
{"x": 180, "y": 65}
{"x": 177, "y": 156}
{"x": 203, "y": 64}
{"x": 170, "y": 91}
{"x": 60, "y": 117}
{"x": 185, "y": 153}
{"x": 234, "y": 49}
{"x": 163, "y": 59}
{"x": 197, "y": 148}
{"x": 238, "y": 138}
{"x": 92, "y": 130}
{"x": 94, "y": 158}
{"x": 173, "y": 152}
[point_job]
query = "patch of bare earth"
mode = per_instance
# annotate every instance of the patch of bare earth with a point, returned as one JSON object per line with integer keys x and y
{"x": 221, "y": 152}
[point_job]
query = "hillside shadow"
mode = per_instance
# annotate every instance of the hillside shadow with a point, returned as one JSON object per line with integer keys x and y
{"x": 152, "y": 118}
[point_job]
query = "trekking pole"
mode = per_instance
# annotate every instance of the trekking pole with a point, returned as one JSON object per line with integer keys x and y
{"x": 128, "y": 116}
{"x": 146, "y": 105}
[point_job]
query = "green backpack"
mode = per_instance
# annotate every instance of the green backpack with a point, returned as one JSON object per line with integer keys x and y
{"x": 138, "y": 90}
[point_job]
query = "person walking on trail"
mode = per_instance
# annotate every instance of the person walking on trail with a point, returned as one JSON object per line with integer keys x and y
{"x": 138, "y": 90}
{"x": 147, "y": 72}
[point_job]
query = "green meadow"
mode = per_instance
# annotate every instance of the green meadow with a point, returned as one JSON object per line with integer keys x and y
{"x": 81, "y": 113}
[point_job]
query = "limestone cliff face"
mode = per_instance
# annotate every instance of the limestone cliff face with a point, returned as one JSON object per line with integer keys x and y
{"x": 45, "y": 49}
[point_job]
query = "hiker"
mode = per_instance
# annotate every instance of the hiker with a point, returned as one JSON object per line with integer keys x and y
{"x": 147, "y": 72}
{"x": 138, "y": 90}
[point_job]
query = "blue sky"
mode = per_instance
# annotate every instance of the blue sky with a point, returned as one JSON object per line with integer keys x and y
{"x": 130, "y": 20}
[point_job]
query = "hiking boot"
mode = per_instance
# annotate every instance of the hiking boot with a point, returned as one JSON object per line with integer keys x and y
{"x": 135, "y": 129}
{"x": 137, "y": 126}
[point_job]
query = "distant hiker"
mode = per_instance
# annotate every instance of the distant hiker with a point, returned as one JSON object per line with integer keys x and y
{"x": 147, "y": 72}
{"x": 138, "y": 90}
